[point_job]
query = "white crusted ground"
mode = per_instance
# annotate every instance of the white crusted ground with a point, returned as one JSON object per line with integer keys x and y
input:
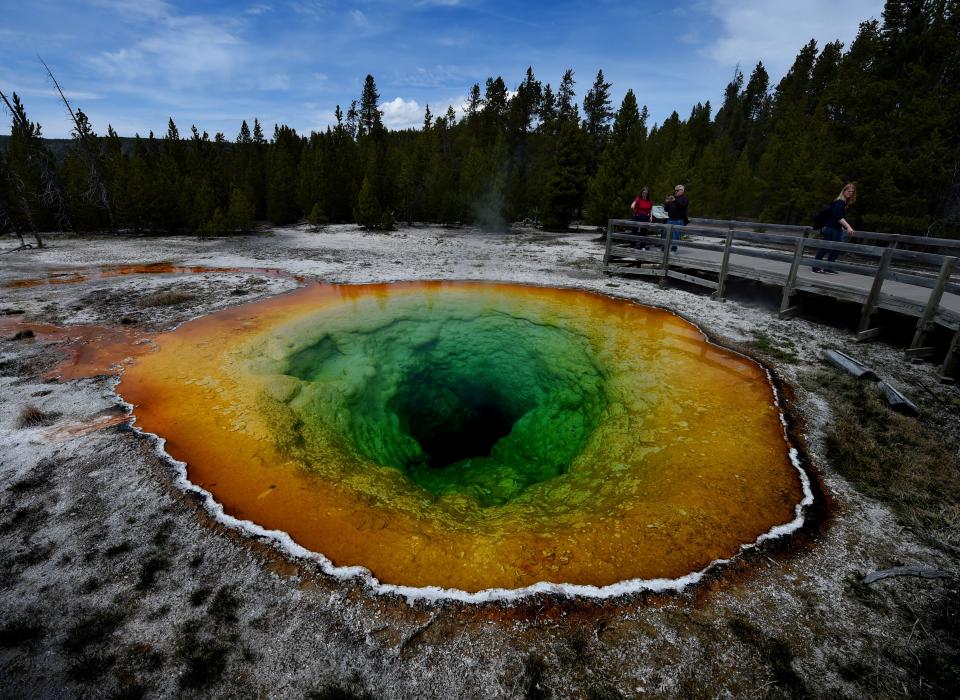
{"x": 115, "y": 582}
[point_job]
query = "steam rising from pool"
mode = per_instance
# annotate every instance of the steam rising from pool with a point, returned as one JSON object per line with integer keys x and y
{"x": 475, "y": 436}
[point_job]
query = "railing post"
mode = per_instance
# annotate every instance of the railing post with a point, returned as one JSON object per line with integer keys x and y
{"x": 667, "y": 242}
{"x": 930, "y": 311}
{"x": 864, "y": 332}
{"x": 724, "y": 266}
{"x": 785, "y": 308}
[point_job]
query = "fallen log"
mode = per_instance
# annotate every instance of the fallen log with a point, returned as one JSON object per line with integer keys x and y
{"x": 919, "y": 571}
{"x": 849, "y": 365}
{"x": 898, "y": 402}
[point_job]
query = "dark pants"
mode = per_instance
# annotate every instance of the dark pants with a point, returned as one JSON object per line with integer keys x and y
{"x": 640, "y": 231}
{"x": 831, "y": 234}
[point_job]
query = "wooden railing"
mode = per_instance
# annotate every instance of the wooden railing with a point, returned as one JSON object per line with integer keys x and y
{"x": 879, "y": 258}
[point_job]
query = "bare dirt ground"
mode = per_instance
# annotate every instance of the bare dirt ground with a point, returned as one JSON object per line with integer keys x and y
{"x": 115, "y": 583}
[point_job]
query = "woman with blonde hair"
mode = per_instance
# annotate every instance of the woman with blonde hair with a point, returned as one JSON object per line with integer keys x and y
{"x": 837, "y": 229}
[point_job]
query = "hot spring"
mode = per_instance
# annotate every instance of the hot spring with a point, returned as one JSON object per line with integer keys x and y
{"x": 474, "y": 436}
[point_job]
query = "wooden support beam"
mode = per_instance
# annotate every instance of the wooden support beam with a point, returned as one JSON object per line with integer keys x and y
{"x": 950, "y": 361}
{"x": 668, "y": 241}
{"x": 870, "y": 305}
{"x": 724, "y": 266}
{"x": 933, "y": 303}
{"x": 693, "y": 279}
{"x": 919, "y": 352}
{"x": 785, "y": 308}
{"x": 606, "y": 254}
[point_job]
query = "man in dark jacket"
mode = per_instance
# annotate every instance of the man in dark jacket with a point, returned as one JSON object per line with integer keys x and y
{"x": 676, "y": 206}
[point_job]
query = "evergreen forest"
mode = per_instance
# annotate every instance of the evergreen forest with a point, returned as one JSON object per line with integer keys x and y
{"x": 884, "y": 112}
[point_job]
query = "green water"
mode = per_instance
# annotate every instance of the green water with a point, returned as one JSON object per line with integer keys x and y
{"x": 460, "y": 398}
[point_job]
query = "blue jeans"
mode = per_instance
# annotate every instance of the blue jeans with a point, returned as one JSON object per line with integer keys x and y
{"x": 676, "y": 233}
{"x": 831, "y": 234}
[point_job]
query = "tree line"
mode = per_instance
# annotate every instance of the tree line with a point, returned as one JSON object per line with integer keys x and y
{"x": 882, "y": 112}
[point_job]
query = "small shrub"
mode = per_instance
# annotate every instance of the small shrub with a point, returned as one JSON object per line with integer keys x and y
{"x": 317, "y": 217}
{"x": 90, "y": 668}
{"x": 19, "y": 633}
{"x": 224, "y": 606}
{"x": 204, "y": 658}
{"x": 168, "y": 298}
{"x": 93, "y": 628}
{"x": 117, "y": 549}
{"x": 766, "y": 345}
{"x": 33, "y": 417}
{"x": 199, "y": 596}
{"x": 149, "y": 570}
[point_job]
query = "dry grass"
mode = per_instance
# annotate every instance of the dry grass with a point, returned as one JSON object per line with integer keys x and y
{"x": 910, "y": 464}
{"x": 166, "y": 298}
{"x": 33, "y": 417}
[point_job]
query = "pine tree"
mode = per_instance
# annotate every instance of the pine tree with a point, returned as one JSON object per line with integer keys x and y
{"x": 741, "y": 194}
{"x": 240, "y": 214}
{"x": 474, "y": 102}
{"x": 548, "y": 109}
{"x": 566, "y": 105}
{"x": 596, "y": 110}
{"x": 618, "y": 178}
{"x": 565, "y": 186}
{"x": 282, "y": 205}
{"x": 368, "y": 212}
{"x": 317, "y": 217}
{"x": 597, "y": 115}
{"x": 370, "y": 114}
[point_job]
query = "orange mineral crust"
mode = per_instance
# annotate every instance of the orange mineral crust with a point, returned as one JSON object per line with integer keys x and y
{"x": 474, "y": 436}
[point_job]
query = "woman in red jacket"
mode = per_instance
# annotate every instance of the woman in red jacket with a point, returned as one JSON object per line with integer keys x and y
{"x": 642, "y": 205}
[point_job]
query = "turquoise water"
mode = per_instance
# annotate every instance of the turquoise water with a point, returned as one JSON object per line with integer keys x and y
{"x": 461, "y": 400}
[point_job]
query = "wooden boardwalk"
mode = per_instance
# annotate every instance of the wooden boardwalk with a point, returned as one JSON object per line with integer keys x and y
{"x": 904, "y": 274}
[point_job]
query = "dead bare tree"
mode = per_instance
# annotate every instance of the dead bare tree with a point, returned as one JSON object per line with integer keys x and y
{"x": 16, "y": 182}
{"x": 51, "y": 193}
{"x": 88, "y": 147}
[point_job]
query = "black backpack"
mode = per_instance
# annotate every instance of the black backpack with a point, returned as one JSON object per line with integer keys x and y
{"x": 821, "y": 218}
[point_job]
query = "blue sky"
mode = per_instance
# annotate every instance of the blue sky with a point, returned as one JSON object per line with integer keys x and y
{"x": 133, "y": 63}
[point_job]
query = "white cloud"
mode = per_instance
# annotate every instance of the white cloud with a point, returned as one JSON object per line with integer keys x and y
{"x": 402, "y": 114}
{"x": 309, "y": 8}
{"x": 137, "y": 9}
{"x": 50, "y": 92}
{"x": 459, "y": 104}
{"x": 436, "y": 76}
{"x": 360, "y": 19}
{"x": 257, "y": 9}
{"x": 186, "y": 52}
{"x": 775, "y": 30}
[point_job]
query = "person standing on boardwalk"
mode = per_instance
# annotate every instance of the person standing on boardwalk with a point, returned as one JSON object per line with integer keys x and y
{"x": 837, "y": 225}
{"x": 642, "y": 205}
{"x": 676, "y": 206}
